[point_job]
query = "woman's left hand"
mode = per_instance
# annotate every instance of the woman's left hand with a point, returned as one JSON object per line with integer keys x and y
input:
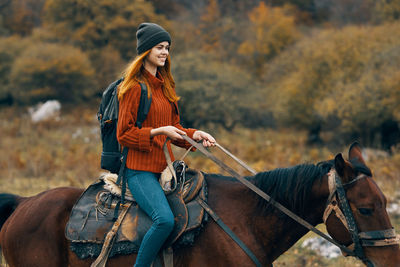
{"x": 208, "y": 140}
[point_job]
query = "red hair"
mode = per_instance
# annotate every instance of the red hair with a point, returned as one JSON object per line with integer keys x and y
{"x": 134, "y": 74}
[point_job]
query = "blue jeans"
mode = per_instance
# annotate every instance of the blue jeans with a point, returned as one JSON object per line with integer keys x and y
{"x": 150, "y": 197}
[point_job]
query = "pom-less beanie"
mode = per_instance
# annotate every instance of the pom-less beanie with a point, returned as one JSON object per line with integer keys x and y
{"x": 149, "y": 35}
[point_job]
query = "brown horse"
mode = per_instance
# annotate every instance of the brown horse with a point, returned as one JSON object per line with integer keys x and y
{"x": 32, "y": 232}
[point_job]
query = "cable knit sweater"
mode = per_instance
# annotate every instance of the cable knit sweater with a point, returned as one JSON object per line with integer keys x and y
{"x": 145, "y": 153}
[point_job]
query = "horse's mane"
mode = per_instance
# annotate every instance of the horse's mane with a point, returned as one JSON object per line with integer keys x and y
{"x": 357, "y": 166}
{"x": 289, "y": 186}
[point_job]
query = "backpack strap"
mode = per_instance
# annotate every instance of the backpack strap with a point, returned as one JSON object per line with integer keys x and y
{"x": 143, "y": 110}
{"x": 144, "y": 105}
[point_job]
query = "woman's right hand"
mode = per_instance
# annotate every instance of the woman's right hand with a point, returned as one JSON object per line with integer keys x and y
{"x": 170, "y": 131}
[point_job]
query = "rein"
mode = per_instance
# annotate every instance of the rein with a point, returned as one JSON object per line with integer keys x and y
{"x": 264, "y": 195}
{"x": 378, "y": 238}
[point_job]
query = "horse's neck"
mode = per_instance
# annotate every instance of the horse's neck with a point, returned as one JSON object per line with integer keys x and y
{"x": 277, "y": 232}
{"x": 271, "y": 234}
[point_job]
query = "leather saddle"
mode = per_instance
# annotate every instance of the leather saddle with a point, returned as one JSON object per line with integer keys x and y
{"x": 93, "y": 216}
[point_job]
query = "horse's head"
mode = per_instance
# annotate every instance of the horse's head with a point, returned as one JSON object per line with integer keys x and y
{"x": 363, "y": 224}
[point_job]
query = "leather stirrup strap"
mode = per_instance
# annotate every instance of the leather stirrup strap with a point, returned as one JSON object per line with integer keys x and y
{"x": 110, "y": 237}
{"x": 121, "y": 180}
{"x": 168, "y": 255}
{"x": 229, "y": 232}
{"x": 123, "y": 164}
{"x": 121, "y": 174}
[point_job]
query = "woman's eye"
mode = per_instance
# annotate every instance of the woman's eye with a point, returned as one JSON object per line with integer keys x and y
{"x": 161, "y": 48}
{"x": 365, "y": 211}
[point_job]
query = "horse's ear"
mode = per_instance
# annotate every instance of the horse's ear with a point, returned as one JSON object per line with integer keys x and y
{"x": 356, "y": 153}
{"x": 340, "y": 164}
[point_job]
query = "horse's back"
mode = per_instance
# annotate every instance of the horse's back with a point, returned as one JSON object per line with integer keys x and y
{"x": 33, "y": 235}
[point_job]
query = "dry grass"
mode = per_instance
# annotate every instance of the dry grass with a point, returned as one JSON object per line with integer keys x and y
{"x": 65, "y": 152}
{"x": 36, "y": 157}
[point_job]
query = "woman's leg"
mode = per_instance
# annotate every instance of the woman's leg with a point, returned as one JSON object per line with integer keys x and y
{"x": 151, "y": 199}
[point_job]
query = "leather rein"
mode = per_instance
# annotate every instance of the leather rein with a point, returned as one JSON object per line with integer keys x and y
{"x": 385, "y": 237}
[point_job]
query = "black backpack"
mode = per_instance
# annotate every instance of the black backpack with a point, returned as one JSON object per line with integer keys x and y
{"x": 112, "y": 158}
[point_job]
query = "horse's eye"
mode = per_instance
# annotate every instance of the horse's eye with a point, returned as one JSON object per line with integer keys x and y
{"x": 365, "y": 211}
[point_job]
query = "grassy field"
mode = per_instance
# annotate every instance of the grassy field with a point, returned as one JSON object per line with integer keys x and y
{"x": 65, "y": 152}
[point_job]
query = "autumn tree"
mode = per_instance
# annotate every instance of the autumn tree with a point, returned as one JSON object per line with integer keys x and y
{"x": 20, "y": 16}
{"x": 386, "y": 10}
{"x": 171, "y": 8}
{"x": 308, "y": 6}
{"x": 52, "y": 71}
{"x": 210, "y": 27}
{"x": 270, "y": 31}
{"x": 10, "y": 49}
{"x": 215, "y": 30}
{"x": 345, "y": 12}
{"x": 333, "y": 79}
{"x": 217, "y": 93}
{"x": 95, "y": 24}
{"x": 237, "y": 8}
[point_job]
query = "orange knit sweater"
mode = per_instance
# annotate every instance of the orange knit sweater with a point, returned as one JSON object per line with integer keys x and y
{"x": 145, "y": 153}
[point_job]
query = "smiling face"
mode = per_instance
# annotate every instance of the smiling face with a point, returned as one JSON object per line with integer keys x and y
{"x": 158, "y": 55}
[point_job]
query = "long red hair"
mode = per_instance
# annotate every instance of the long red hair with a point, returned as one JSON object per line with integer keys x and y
{"x": 134, "y": 74}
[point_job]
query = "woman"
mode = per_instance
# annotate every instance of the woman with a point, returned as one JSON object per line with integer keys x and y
{"x": 145, "y": 159}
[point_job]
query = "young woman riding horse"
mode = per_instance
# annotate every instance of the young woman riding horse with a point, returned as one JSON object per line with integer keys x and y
{"x": 146, "y": 159}
{"x": 32, "y": 229}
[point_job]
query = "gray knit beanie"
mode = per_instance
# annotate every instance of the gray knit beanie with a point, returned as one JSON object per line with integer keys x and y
{"x": 149, "y": 35}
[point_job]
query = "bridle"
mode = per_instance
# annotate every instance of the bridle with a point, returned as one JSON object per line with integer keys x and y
{"x": 338, "y": 203}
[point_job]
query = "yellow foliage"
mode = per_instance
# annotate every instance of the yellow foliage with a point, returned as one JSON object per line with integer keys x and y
{"x": 386, "y": 10}
{"x": 46, "y": 70}
{"x": 210, "y": 28}
{"x": 93, "y": 24}
{"x": 351, "y": 74}
{"x": 271, "y": 30}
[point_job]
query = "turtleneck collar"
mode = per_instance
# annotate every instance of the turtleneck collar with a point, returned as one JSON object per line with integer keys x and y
{"x": 155, "y": 81}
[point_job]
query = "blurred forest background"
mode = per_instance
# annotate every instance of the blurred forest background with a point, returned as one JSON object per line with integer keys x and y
{"x": 328, "y": 66}
{"x": 277, "y": 82}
